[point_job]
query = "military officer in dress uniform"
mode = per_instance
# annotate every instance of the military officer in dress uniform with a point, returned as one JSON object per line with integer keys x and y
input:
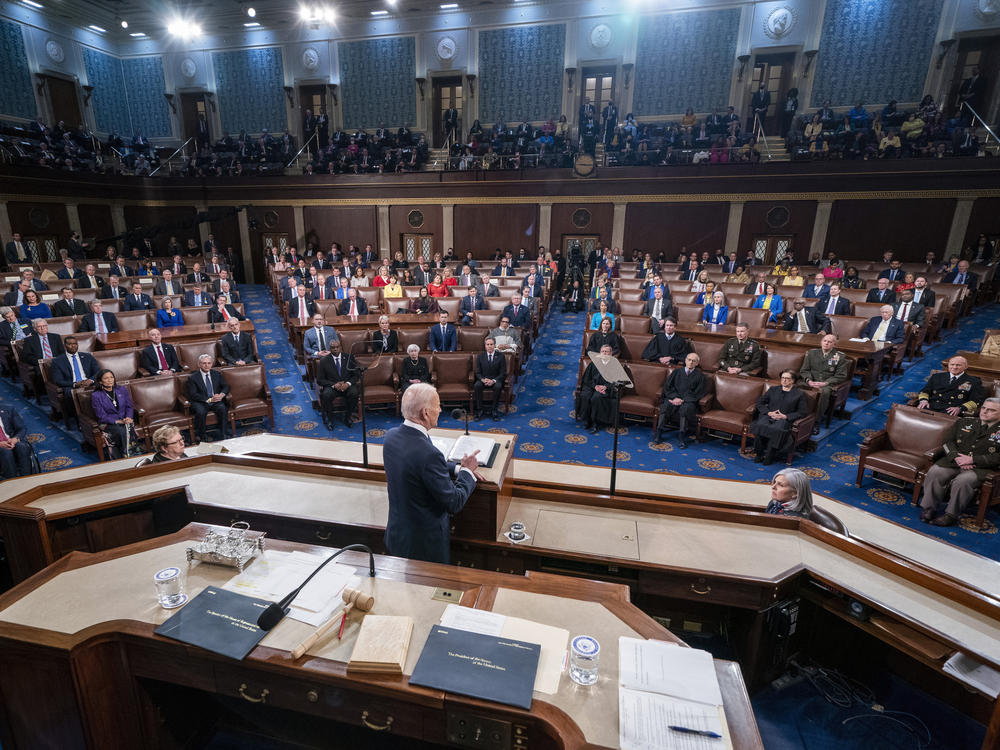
{"x": 741, "y": 355}
{"x": 954, "y": 391}
{"x": 824, "y": 369}
{"x": 970, "y": 454}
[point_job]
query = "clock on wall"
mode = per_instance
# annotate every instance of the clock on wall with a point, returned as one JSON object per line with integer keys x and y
{"x": 55, "y": 51}
{"x": 310, "y": 58}
{"x": 581, "y": 218}
{"x": 778, "y": 217}
{"x": 415, "y": 219}
{"x": 188, "y": 67}
{"x": 600, "y": 36}
{"x": 446, "y": 48}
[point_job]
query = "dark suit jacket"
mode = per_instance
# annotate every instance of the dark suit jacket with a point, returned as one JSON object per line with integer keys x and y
{"x": 232, "y": 351}
{"x": 894, "y": 335}
{"x": 196, "y": 385}
{"x": 145, "y": 303}
{"x": 7, "y": 331}
{"x": 927, "y": 297}
{"x": 888, "y": 274}
{"x": 414, "y": 371}
{"x": 122, "y": 270}
{"x": 84, "y": 282}
{"x": 214, "y": 316}
{"x": 467, "y": 307}
{"x": 647, "y": 309}
{"x": 814, "y": 319}
{"x": 62, "y": 273}
{"x": 14, "y": 424}
{"x": 676, "y": 348}
{"x": 496, "y": 370}
{"x": 10, "y": 299}
{"x": 392, "y": 338}
{"x": 521, "y": 320}
{"x": 811, "y": 290}
{"x": 447, "y": 343}
{"x": 32, "y": 349}
{"x": 422, "y": 496}
{"x": 161, "y": 287}
{"x": 89, "y": 324}
{"x": 201, "y": 278}
{"x": 293, "y": 308}
{"x": 971, "y": 279}
{"x": 887, "y": 299}
{"x": 345, "y": 307}
{"x": 10, "y": 252}
{"x": 149, "y": 362}
{"x": 61, "y": 372}
{"x": 63, "y": 308}
{"x": 916, "y": 314}
{"x": 106, "y": 292}
{"x": 190, "y": 300}
{"x": 327, "y": 374}
{"x": 842, "y": 306}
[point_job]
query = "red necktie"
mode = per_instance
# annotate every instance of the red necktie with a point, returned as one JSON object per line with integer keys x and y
{"x": 354, "y": 308}
{"x": 163, "y": 360}
{"x": 225, "y": 314}
{"x": 46, "y": 349}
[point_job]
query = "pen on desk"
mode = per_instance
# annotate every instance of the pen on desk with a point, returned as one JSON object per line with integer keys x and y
{"x": 699, "y": 732}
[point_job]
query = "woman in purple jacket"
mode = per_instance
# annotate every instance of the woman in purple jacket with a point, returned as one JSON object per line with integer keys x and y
{"x": 113, "y": 408}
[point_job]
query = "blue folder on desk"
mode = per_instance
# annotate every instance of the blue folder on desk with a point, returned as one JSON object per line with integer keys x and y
{"x": 482, "y": 666}
{"x": 220, "y": 621}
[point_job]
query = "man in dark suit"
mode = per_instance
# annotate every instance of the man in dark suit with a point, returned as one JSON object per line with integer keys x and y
{"x": 15, "y": 452}
{"x": 210, "y": 247}
{"x": 113, "y": 289}
{"x": 33, "y": 283}
{"x": 301, "y": 308}
{"x": 885, "y": 327}
{"x": 909, "y": 311}
{"x": 118, "y": 268}
{"x": 68, "y": 305}
{"x": 443, "y": 337}
{"x": 338, "y": 375}
{"x": 657, "y": 310}
{"x": 72, "y": 369}
{"x": 11, "y": 330}
{"x": 681, "y": 392}
{"x": 90, "y": 279}
{"x": 15, "y": 297}
{"x": 833, "y": 303}
{"x": 962, "y": 275}
{"x": 137, "y": 300}
{"x": 197, "y": 275}
{"x": 954, "y": 392}
{"x": 802, "y": 319}
{"x": 518, "y": 314}
{"x": 167, "y": 285}
{"x": 424, "y": 489}
{"x": 237, "y": 347}
{"x": 97, "y": 320}
{"x": 231, "y": 294}
{"x": 16, "y": 251}
{"x": 158, "y": 358}
{"x": 207, "y": 391}
{"x": 575, "y": 298}
{"x": 469, "y": 304}
{"x": 197, "y": 297}
{"x": 491, "y": 372}
{"x": 667, "y": 346}
{"x": 368, "y": 256}
{"x": 69, "y": 272}
{"x": 423, "y": 274}
{"x": 818, "y": 288}
{"x": 42, "y": 344}
{"x": 881, "y": 293}
{"x": 893, "y": 273}
{"x": 756, "y": 287}
{"x": 223, "y": 312}
{"x": 354, "y": 304}
{"x": 922, "y": 294}
{"x": 321, "y": 263}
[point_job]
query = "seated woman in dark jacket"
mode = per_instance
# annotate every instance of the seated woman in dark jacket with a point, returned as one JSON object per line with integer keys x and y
{"x": 605, "y": 336}
{"x": 777, "y": 411}
{"x": 113, "y": 408}
{"x": 413, "y": 369}
{"x": 423, "y": 304}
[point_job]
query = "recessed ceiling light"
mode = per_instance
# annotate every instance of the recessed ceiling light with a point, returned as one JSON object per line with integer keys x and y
{"x": 449, "y": 6}
{"x": 32, "y": 3}
{"x": 252, "y": 12}
{"x": 137, "y": 34}
{"x": 251, "y": 25}
{"x": 98, "y": 29}
{"x": 380, "y": 12}
{"x": 124, "y": 24}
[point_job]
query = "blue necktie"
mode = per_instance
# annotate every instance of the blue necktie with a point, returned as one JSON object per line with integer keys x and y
{"x": 77, "y": 370}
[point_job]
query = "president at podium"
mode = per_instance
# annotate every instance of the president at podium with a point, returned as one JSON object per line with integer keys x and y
{"x": 424, "y": 488}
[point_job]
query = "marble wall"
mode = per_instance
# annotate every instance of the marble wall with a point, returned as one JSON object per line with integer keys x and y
{"x": 148, "y": 110}
{"x": 249, "y": 84}
{"x": 16, "y": 96}
{"x": 521, "y": 72}
{"x": 109, "y": 101}
{"x": 377, "y": 82}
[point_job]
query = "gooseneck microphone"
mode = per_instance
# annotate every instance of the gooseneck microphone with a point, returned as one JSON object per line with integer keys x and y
{"x": 276, "y": 611}
{"x": 461, "y": 414}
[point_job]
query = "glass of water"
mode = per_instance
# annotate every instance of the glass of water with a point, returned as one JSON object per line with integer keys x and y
{"x": 169, "y": 584}
{"x": 584, "y": 657}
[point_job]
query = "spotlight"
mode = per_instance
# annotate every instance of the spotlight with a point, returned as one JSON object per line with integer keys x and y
{"x": 124, "y": 24}
{"x": 194, "y": 29}
{"x": 175, "y": 28}
{"x": 252, "y": 12}
{"x": 305, "y": 12}
{"x": 329, "y": 15}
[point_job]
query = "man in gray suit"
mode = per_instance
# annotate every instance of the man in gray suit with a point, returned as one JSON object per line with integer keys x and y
{"x": 316, "y": 341}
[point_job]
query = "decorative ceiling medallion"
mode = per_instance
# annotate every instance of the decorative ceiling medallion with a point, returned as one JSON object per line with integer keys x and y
{"x": 55, "y": 51}
{"x": 415, "y": 219}
{"x": 581, "y": 218}
{"x": 271, "y": 219}
{"x": 39, "y": 218}
{"x": 987, "y": 10}
{"x": 188, "y": 67}
{"x": 446, "y": 48}
{"x": 310, "y": 58}
{"x": 600, "y": 36}
{"x": 778, "y": 217}
{"x": 779, "y": 22}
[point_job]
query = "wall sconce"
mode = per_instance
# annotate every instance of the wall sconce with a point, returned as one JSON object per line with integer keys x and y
{"x": 88, "y": 91}
{"x": 945, "y": 44}
{"x": 744, "y": 59}
{"x": 570, "y": 73}
{"x": 332, "y": 88}
{"x": 471, "y": 79}
{"x": 210, "y": 98}
{"x": 290, "y": 95}
{"x": 627, "y": 69}
{"x": 810, "y": 55}
{"x": 420, "y": 83}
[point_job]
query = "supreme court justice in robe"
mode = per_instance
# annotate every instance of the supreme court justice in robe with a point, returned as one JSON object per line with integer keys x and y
{"x": 595, "y": 404}
{"x": 777, "y": 411}
{"x": 667, "y": 346}
{"x": 681, "y": 391}
{"x": 605, "y": 337}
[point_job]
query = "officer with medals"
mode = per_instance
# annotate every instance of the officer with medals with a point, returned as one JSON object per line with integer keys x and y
{"x": 824, "y": 369}
{"x": 971, "y": 452}
{"x": 954, "y": 392}
{"x": 741, "y": 355}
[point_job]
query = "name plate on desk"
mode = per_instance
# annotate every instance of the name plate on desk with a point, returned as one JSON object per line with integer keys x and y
{"x": 481, "y": 666}
{"x": 219, "y": 621}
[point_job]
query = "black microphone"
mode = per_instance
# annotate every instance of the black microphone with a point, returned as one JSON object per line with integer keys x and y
{"x": 461, "y": 414}
{"x": 276, "y": 611}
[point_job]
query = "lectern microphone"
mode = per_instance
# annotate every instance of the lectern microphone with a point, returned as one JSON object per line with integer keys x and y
{"x": 461, "y": 414}
{"x": 275, "y": 612}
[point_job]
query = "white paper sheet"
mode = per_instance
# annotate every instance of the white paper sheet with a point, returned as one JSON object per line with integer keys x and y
{"x": 982, "y": 677}
{"x": 668, "y": 669}
{"x": 473, "y": 620}
{"x": 645, "y": 720}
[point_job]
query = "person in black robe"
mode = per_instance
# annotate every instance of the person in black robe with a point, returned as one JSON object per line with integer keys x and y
{"x": 681, "y": 392}
{"x": 605, "y": 337}
{"x": 595, "y": 404}
{"x": 777, "y": 411}
{"x": 667, "y": 347}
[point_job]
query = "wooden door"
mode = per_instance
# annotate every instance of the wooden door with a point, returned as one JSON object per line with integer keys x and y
{"x": 192, "y": 108}
{"x": 599, "y": 87}
{"x": 977, "y": 52}
{"x": 588, "y": 242}
{"x": 65, "y": 101}
{"x": 776, "y": 73}
{"x": 769, "y": 249}
{"x": 417, "y": 246}
{"x": 267, "y": 241}
{"x": 447, "y": 94}
{"x": 312, "y": 98}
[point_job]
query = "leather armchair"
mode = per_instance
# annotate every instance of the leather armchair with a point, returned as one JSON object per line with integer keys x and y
{"x": 847, "y": 326}
{"x": 643, "y": 398}
{"x": 471, "y": 339}
{"x": 777, "y": 360}
{"x": 188, "y": 353}
{"x": 753, "y": 317}
{"x": 732, "y": 406}
{"x": 686, "y": 315}
{"x": 419, "y": 337}
{"x": 158, "y": 402}
{"x": 630, "y": 324}
{"x": 381, "y": 381}
{"x": 373, "y": 297}
{"x": 53, "y": 392}
{"x": 905, "y": 448}
{"x": 452, "y": 374}
{"x": 249, "y": 395}
{"x": 89, "y": 428}
{"x": 124, "y": 363}
{"x": 486, "y": 318}
{"x": 709, "y": 351}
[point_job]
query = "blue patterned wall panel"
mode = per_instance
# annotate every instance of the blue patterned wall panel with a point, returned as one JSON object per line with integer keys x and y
{"x": 376, "y": 79}
{"x": 108, "y": 101}
{"x": 875, "y": 50}
{"x": 16, "y": 97}
{"x": 146, "y": 105}
{"x": 521, "y": 72}
{"x": 685, "y": 60}
{"x": 250, "y": 85}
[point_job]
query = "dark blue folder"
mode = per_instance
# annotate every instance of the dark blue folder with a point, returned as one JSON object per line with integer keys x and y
{"x": 482, "y": 666}
{"x": 218, "y": 620}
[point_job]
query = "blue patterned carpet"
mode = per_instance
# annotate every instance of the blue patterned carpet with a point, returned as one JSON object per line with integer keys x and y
{"x": 542, "y": 419}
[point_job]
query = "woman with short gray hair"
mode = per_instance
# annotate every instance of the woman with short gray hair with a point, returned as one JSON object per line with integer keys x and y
{"x": 791, "y": 494}
{"x": 414, "y": 369}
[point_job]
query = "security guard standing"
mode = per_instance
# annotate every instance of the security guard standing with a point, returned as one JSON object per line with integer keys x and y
{"x": 824, "y": 369}
{"x": 970, "y": 454}
{"x": 741, "y": 355}
{"x": 954, "y": 391}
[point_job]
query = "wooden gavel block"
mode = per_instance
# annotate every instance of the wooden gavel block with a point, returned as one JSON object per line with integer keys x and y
{"x": 353, "y": 598}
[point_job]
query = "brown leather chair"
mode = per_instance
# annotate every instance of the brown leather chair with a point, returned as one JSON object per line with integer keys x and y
{"x": 136, "y": 320}
{"x": 630, "y": 307}
{"x": 709, "y": 352}
{"x": 159, "y": 402}
{"x": 740, "y": 300}
{"x": 450, "y": 306}
{"x": 353, "y": 342}
{"x": 686, "y": 315}
{"x": 64, "y": 326}
{"x": 777, "y": 359}
{"x": 752, "y": 317}
{"x": 496, "y": 303}
{"x": 632, "y": 346}
{"x": 381, "y": 380}
{"x": 732, "y": 406}
{"x": 472, "y": 338}
{"x": 327, "y": 308}
{"x": 249, "y": 395}
{"x": 643, "y": 398}
{"x": 31, "y": 378}
{"x": 847, "y": 326}
{"x": 124, "y": 363}
{"x": 89, "y": 426}
{"x": 195, "y": 316}
{"x": 682, "y": 298}
{"x": 452, "y": 374}
{"x": 86, "y": 341}
{"x": 486, "y": 318}
{"x": 373, "y": 297}
{"x": 188, "y": 352}
{"x": 420, "y": 337}
{"x": 53, "y": 392}
{"x": 632, "y": 324}
{"x": 827, "y": 520}
{"x": 905, "y": 448}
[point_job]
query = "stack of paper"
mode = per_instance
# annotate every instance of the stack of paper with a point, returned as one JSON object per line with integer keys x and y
{"x": 982, "y": 677}
{"x": 666, "y": 685}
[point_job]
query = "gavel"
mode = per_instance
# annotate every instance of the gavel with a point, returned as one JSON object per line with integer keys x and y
{"x": 353, "y": 598}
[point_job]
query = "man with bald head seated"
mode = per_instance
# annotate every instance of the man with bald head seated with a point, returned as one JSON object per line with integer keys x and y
{"x": 954, "y": 392}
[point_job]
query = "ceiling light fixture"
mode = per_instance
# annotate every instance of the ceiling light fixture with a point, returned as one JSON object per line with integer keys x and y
{"x": 181, "y": 28}
{"x": 252, "y": 12}
{"x": 98, "y": 29}
{"x": 124, "y": 24}
{"x": 33, "y": 4}
{"x": 380, "y": 12}
{"x": 251, "y": 25}
{"x": 449, "y": 6}
{"x": 137, "y": 34}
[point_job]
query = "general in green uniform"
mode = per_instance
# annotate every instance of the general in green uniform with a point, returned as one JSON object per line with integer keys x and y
{"x": 741, "y": 355}
{"x": 824, "y": 369}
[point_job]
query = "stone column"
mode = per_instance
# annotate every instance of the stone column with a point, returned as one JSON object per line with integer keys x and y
{"x": 733, "y": 227}
{"x": 384, "y": 240}
{"x": 6, "y": 230}
{"x": 618, "y": 226}
{"x": 959, "y": 226}
{"x": 820, "y": 226}
{"x": 448, "y": 229}
{"x": 545, "y": 225}
{"x": 204, "y": 227}
{"x": 299, "y": 218}
{"x": 73, "y": 217}
{"x": 245, "y": 247}
{"x": 118, "y": 221}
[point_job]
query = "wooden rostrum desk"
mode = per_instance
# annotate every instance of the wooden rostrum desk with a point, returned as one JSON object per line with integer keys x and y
{"x": 83, "y": 669}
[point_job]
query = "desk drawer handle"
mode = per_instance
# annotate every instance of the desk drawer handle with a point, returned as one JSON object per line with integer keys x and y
{"x": 384, "y": 728}
{"x": 262, "y": 698}
{"x": 323, "y": 535}
{"x": 700, "y": 592}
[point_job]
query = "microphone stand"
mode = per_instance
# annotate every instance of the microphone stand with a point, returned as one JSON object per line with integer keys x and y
{"x": 458, "y": 414}
{"x": 616, "y": 387}
{"x": 361, "y": 395}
